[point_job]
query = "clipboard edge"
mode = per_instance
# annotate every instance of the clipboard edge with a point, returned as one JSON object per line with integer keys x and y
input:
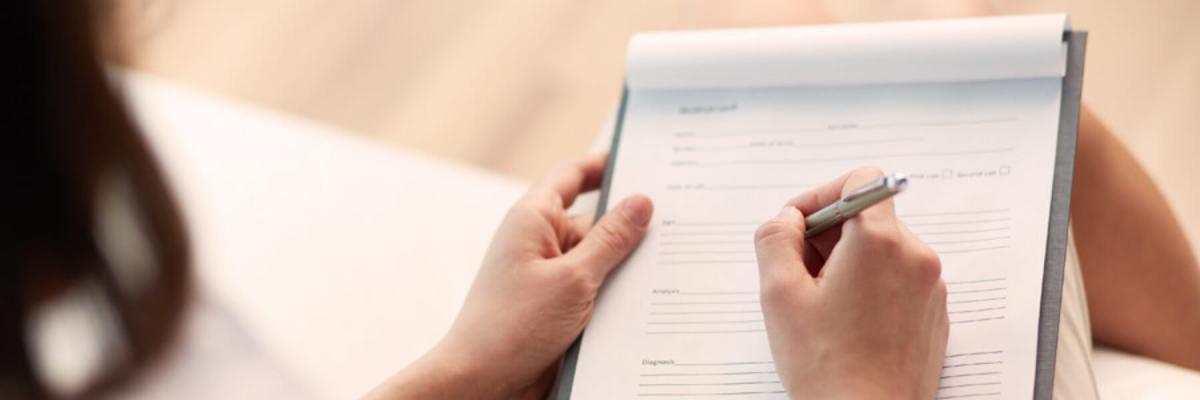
{"x": 566, "y": 371}
{"x": 1060, "y": 214}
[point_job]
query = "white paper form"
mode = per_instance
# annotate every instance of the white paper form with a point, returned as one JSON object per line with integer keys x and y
{"x": 681, "y": 317}
{"x": 993, "y": 48}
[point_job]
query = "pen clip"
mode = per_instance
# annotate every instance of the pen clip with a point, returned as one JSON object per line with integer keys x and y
{"x": 869, "y": 188}
{"x": 892, "y": 184}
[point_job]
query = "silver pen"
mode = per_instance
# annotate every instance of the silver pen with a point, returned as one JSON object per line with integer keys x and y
{"x": 853, "y": 203}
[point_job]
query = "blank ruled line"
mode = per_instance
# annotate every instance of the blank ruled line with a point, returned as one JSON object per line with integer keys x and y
{"x": 968, "y": 321}
{"x": 719, "y": 364}
{"x": 706, "y": 252}
{"x": 839, "y": 127}
{"x": 718, "y": 293}
{"x": 971, "y": 250}
{"x": 938, "y": 214}
{"x": 979, "y": 221}
{"x": 789, "y": 144}
{"x": 704, "y": 332}
{"x": 1003, "y": 228}
{"x": 757, "y": 187}
{"x": 968, "y": 240}
{"x": 709, "y": 233}
{"x": 977, "y": 300}
{"x": 858, "y": 142}
{"x": 969, "y": 375}
{"x": 705, "y": 242}
{"x": 976, "y": 281}
{"x": 714, "y": 223}
{"x": 710, "y": 394}
{"x": 655, "y": 374}
{"x": 689, "y": 186}
{"x": 978, "y": 353}
{"x": 985, "y": 290}
{"x": 962, "y": 396}
{"x": 743, "y": 132}
{"x": 748, "y": 321}
{"x": 684, "y": 262}
{"x": 705, "y": 312}
{"x": 714, "y": 149}
{"x": 971, "y": 364}
{"x": 693, "y": 303}
{"x": 938, "y": 123}
{"x": 836, "y": 159}
{"x": 708, "y": 384}
{"x": 963, "y": 385}
{"x": 976, "y": 310}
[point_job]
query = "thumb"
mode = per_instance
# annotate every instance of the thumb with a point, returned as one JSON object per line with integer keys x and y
{"x": 778, "y": 244}
{"x": 614, "y": 237}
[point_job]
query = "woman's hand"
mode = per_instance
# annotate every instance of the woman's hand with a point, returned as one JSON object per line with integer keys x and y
{"x": 533, "y": 294}
{"x": 858, "y": 311}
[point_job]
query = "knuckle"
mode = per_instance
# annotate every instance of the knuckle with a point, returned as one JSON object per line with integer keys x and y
{"x": 574, "y": 173}
{"x": 576, "y": 281}
{"x": 611, "y": 237}
{"x": 775, "y": 291}
{"x": 887, "y": 241}
{"x": 928, "y": 264}
{"x": 772, "y": 230}
{"x": 528, "y": 207}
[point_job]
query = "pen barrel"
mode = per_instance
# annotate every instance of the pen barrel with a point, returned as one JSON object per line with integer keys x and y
{"x": 851, "y": 207}
{"x": 853, "y": 203}
{"x": 823, "y": 219}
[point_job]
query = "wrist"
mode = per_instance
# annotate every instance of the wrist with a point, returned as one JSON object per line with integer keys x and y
{"x": 849, "y": 387}
{"x": 867, "y": 388}
{"x": 868, "y": 391}
{"x": 441, "y": 373}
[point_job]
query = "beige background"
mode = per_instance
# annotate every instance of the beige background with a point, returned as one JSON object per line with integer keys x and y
{"x": 516, "y": 86}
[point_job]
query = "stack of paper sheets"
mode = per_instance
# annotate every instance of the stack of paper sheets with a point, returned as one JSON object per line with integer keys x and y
{"x": 721, "y": 128}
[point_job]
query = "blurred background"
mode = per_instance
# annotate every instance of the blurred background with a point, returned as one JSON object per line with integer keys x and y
{"x": 516, "y": 86}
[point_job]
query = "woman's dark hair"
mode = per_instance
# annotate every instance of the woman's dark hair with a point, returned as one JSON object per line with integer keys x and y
{"x": 65, "y": 133}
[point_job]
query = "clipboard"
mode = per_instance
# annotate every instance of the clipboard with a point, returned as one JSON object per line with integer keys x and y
{"x": 1056, "y": 239}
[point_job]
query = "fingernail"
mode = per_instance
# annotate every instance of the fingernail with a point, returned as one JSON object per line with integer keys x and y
{"x": 637, "y": 209}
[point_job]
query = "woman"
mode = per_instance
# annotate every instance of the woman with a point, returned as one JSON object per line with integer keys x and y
{"x": 77, "y": 171}
{"x": 82, "y": 177}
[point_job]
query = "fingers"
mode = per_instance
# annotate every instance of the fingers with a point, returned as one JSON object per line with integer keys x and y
{"x": 922, "y": 258}
{"x": 828, "y": 193}
{"x": 577, "y": 227}
{"x": 821, "y": 196}
{"x": 879, "y": 216}
{"x": 814, "y": 200}
{"x": 562, "y": 185}
{"x": 870, "y": 239}
{"x": 613, "y": 237}
{"x": 778, "y": 243}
